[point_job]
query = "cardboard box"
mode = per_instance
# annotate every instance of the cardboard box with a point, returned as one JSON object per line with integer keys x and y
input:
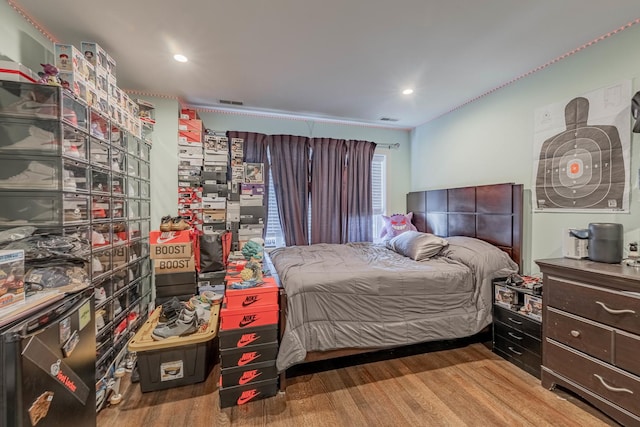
{"x": 174, "y": 265}
{"x": 94, "y": 54}
{"x": 189, "y": 137}
{"x": 170, "y": 244}
{"x": 245, "y": 356}
{"x": 239, "y": 338}
{"x": 243, "y": 394}
{"x": 67, "y": 58}
{"x": 192, "y": 125}
{"x": 251, "y": 190}
{"x": 243, "y": 375}
{"x": 11, "y": 278}
{"x": 16, "y": 72}
{"x": 188, "y": 113}
{"x": 263, "y": 295}
{"x": 249, "y": 317}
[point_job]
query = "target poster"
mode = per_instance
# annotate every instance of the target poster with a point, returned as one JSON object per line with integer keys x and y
{"x": 581, "y": 152}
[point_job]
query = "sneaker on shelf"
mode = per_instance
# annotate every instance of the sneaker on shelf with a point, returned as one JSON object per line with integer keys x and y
{"x": 101, "y": 295}
{"x": 182, "y": 327}
{"x": 165, "y": 223}
{"x": 98, "y": 211}
{"x": 100, "y": 319}
{"x": 96, "y": 131}
{"x": 96, "y": 266}
{"x": 37, "y": 175}
{"x": 38, "y": 139}
{"x": 97, "y": 239}
{"x": 179, "y": 224}
{"x": 71, "y": 215}
{"x": 31, "y": 108}
{"x": 115, "y": 166}
{"x": 71, "y": 150}
{"x": 120, "y": 329}
{"x": 117, "y": 309}
{"x": 69, "y": 181}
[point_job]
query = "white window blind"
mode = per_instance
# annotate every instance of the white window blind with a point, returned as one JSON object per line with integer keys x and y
{"x": 378, "y": 192}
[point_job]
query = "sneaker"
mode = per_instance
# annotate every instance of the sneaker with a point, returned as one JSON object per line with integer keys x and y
{"x": 69, "y": 181}
{"x": 170, "y": 310}
{"x": 179, "y": 224}
{"x": 96, "y": 266}
{"x": 96, "y": 131}
{"x": 100, "y": 295}
{"x": 115, "y": 166}
{"x": 165, "y": 223}
{"x": 31, "y": 108}
{"x": 180, "y": 328}
{"x": 100, "y": 319}
{"x": 38, "y": 139}
{"x": 71, "y": 150}
{"x": 97, "y": 239}
{"x": 117, "y": 309}
{"x": 71, "y": 215}
{"x": 37, "y": 175}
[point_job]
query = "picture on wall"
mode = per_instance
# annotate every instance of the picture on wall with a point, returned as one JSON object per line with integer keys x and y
{"x": 581, "y": 152}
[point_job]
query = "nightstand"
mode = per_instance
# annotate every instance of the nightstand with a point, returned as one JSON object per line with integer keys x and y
{"x": 517, "y": 333}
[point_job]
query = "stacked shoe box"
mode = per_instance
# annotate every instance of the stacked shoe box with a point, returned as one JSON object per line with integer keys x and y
{"x": 173, "y": 264}
{"x": 190, "y": 163}
{"x": 97, "y": 57}
{"x": 248, "y": 342}
{"x": 215, "y": 187}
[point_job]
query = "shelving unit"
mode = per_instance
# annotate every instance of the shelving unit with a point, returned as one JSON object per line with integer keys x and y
{"x": 65, "y": 168}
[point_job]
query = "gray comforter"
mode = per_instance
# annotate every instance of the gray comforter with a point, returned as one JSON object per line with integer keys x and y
{"x": 361, "y": 295}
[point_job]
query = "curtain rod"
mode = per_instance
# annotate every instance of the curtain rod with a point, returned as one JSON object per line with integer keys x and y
{"x": 394, "y": 146}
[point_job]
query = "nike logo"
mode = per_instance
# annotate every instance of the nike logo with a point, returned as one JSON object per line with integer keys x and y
{"x": 247, "y": 396}
{"x": 249, "y": 376}
{"x": 248, "y": 358}
{"x": 247, "y": 339}
{"x": 247, "y": 320}
{"x": 251, "y": 299}
{"x": 166, "y": 236}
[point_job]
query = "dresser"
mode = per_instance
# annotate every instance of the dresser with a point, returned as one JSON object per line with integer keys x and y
{"x": 591, "y": 334}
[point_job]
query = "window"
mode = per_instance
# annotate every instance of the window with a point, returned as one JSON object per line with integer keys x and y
{"x": 378, "y": 193}
{"x": 274, "y": 237}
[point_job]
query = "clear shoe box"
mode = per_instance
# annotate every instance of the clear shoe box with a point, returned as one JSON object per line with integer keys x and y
{"x": 145, "y": 190}
{"x": 133, "y": 187}
{"x": 101, "y": 236}
{"x": 99, "y": 126}
{"x": 145, "y": 209}
{"x": 118, "y": 185}
{"x": 101, "y": 263}
{"x": 99, "y": 154}
{"x": 100, "y": 208}
{"x": 134, "y": 230}
{"x": 118, "y": 160}
{"x": 120, "y": 233}
{"x": 100, "y": 181}
{"x": 120, "y": 257}
{"x": 41, "y": 137}
{"x": 103, "y": 344}
{"x": 43, "y": 209}
{"x": 18, "y": 99}
{"x": 133, "y": 146}
{"x": 105, "y": 284}
{"x": 145, "y": 151}
{"x": 119, "y": 208}
{"x": 134, "y": 209}
{"x": 134, "y": 291}
{"x": 145, "y": 170}
{"x": 118, "y": 138}
{"x": 133, "y": 166}
{"x": 23, "y": 172}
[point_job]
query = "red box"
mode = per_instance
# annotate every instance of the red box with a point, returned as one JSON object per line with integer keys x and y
{"x": 186, "y": 136}
{"x": 188, "y": 113}
{"x": 190, "y": 125}
{"x": 249, "y": 317}
{"x": 170, "y": 244}
{"x": 265, "y": 294}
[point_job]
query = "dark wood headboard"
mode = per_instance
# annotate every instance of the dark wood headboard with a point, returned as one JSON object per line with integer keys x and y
{"x": 492, "y": 213}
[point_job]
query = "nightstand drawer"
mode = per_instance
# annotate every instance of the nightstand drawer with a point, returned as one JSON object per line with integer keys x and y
{"x": 612, "y": 384}
{"x": 518, "y": 321}
{"x": 512, "y": 334}
{"x": 612, "y": 308}
{"x": 581, "y": 334}
{"x": 518, "y": 355}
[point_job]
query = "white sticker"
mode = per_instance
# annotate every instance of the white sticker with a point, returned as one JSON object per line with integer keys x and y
{"x": 171, "y": 370}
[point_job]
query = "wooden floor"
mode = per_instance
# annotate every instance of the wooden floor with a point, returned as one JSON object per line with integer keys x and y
{"x": 467, "y": 386}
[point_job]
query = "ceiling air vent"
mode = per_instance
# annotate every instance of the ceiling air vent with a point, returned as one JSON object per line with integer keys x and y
{"x": 388, "y": 119}
{"x": 228, "y": 102}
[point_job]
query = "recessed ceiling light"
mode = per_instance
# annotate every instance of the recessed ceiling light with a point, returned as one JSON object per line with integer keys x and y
{"x": 407, "y": 91}
{"x": 180, "y": 58}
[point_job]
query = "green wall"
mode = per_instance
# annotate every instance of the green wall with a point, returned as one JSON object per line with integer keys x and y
{"x": 491, "y": 140}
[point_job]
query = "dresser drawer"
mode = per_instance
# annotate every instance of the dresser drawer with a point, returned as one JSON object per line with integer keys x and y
{"x": 581, "y": 334}
{"x": 627, "y": 352}
{"x": 517, "y": 336}
{"x": 612, "y": 308}
{"x": 517, "y": 354}
{"x": 518, "y": 321}
{"x": 608, "y": 382}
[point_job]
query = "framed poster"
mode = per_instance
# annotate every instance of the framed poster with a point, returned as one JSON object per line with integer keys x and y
{"x": 582, "y": 152}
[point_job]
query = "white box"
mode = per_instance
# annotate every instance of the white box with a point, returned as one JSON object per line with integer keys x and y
{"x": 11, "y": 278}
{"x": 16, "y": 72}
{"x": 94, "y": 54}
{"x": 250, "y": 200}
{"x": 68, "y": 58}
{"x": 506, "y": 297}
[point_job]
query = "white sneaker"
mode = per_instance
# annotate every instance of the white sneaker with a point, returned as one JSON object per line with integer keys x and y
{"x": 101, "y": 295}
{"x": 96, "y": 266}
{"x": 100, "y": 320}
{"x": 95, "y": 131}
{"x": 115, "y": 166}
{"x": 37, "y": 175}
{"x": 71, "y": 150}
{"x": 38, "y": 139}
{"x": 69, "y": 182}
{"x": 97, "y": 239}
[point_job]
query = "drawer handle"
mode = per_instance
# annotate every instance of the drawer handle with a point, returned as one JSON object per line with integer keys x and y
{"x": 575, "y": 333}
{"x": 612, "y": 311}
{"x": 515, "y": 351}
{"x": 511, "y": 334}
{"x": 610, "y": 388}
{"x": 514, "y": 321}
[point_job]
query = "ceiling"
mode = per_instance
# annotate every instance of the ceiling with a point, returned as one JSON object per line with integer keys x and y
{"x": 331, "y": 59}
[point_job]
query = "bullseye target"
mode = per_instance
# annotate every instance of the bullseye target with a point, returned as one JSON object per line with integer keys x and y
{"x": 582, "y": 167}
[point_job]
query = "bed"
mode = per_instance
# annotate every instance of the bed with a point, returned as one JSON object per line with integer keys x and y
{"x": 346, "y": 299}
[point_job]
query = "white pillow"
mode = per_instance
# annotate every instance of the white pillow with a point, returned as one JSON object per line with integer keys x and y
{"x": 416, "y": 245}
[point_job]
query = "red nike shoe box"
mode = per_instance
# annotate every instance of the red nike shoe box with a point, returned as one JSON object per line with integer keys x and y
{"x": 239, "y": 338}
{"x": 242, "y": 394}
{"x": 243, "y": 375}
{"x": 191, "y": 125}
{"x": 249, "y": 355}
{"x": 170, "y": 244}
{"x": 241, "y": 318}
{"x": 265, "y": 294}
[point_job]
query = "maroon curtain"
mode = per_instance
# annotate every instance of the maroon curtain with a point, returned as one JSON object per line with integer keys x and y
{"x": 327, "y": 189}
{"x": 290, "y": 173}
{"x": 255, "y": 151}
{"x": 358, "y": 211}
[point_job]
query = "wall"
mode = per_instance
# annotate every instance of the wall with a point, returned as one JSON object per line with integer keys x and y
{"x": 491, "y": 140}
{"x": 397, "y": 159}
{"x": 21, "y": 42}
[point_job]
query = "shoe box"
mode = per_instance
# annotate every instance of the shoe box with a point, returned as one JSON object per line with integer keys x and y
{"x": 14, "y": 71}
{"x": 251, "y": 392}
{"x": 170, "y": 244}
{"x": 175, "y": 361}
{"x": 11, "y": 278}
{"x": 265, "y": 294}
{"x": 174, "y": 284}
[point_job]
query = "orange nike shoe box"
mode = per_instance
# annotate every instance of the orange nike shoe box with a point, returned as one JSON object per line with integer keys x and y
{"x": 265, "y": 294}
{"x": 251, "y": 392}
{"x": 241, "y": 318}
{"x": 170, "y": 244}
{"x": 249, "y": 355}
{"x": 243, "y": 375}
